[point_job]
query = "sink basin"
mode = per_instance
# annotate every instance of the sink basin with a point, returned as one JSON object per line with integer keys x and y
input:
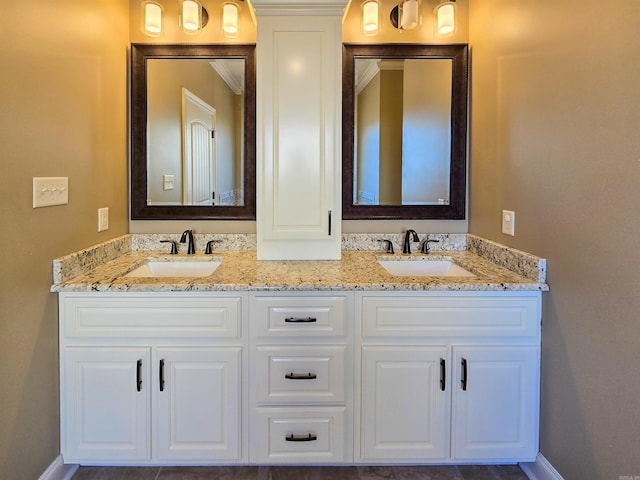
{"x": 424, "y": 268}
{"x": 174, "y": 269}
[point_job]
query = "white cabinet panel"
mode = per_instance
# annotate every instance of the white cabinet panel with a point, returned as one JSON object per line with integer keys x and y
{"x": 298, "y": 137}
{"x": 495, "y": 415}
{"x": 298, "y": 316}
{"x": 412, "y": 316}
{"x": 307, "y": 373}
{"x": 198, "y": 403}
{"x": 127, "y": 316}
{"x": 491, "y": 387}
{"x": 300, "y": 434}
{"x": 404, "y": 405}
{"x": 105, "y": 404}
{"x": 149, "y": 379}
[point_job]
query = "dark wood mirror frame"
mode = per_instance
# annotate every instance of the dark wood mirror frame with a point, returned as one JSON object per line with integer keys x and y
{"x": 458, "y": 53}
{"x": 140, "y": 53}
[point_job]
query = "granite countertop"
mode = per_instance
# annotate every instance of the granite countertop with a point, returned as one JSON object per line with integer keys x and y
{"x": 357, "y": 270}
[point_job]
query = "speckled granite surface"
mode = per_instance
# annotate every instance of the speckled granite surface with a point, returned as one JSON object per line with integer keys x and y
{"x": 496, "y": 268}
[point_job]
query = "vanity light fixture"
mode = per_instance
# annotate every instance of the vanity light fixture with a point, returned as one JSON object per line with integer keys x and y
{"x": 446, "y": 14}
{"x": 406, "y": 15}
{"x": 230, "y": 20}
{"x": 152, "y": 18}
{"x": 370, "y": 17}
{"x": 191, "y": 16}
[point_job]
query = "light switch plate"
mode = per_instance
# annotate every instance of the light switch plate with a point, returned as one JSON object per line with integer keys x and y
{"x": 103, "y": 219}
{"x": 48, "y": 191}
{"x": 509, "y": 222}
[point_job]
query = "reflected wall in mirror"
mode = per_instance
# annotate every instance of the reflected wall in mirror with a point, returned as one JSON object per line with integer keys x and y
{"x": 404, "y": 131}
{"x": 193, "y": 132}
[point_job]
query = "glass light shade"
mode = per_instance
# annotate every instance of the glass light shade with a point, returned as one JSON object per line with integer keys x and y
{"x": 230, "y": 20}
{"x": 409, "y": 14}
{"x": 191, "y": 16}
{"x": 370, "y": 17}
{"x": 446, "y": 17}
{"x": 151, "y": 19}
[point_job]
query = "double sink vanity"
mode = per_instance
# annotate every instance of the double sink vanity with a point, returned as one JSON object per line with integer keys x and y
{"x": 299, "y": 344}
{"x": 299, "y": 362}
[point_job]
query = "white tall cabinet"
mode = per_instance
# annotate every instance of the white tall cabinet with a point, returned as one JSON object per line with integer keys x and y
{"x": 298, "y": 129}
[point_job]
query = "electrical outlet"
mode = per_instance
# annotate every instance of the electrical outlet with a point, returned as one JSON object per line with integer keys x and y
{"x": 48, "y": 191}
{"x": 103, "y": 219}
{"x": 509, "y": 222}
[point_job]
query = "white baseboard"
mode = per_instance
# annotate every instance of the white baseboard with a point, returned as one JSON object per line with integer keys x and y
{"x": 541, "y": 469}
{"x": 59, "y": 471}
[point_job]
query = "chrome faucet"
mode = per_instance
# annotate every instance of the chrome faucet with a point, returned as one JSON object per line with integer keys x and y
{"x": 410, "y": 235}
{"x": 191, "y": 249}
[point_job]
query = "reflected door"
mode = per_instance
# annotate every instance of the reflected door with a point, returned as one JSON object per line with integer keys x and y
{"x": 198, "y": 150}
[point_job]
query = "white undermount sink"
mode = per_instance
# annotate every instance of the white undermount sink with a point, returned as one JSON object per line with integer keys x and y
{"x": 174, "y": 268}
{"x": 424, "y": 268}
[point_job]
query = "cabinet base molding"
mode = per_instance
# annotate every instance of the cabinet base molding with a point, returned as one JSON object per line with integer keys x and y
{"x": 541, "y": 469}
{"x": 58, "y": 470}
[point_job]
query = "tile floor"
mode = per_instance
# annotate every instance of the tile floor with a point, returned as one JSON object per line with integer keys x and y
{"x": 461, "y": 472}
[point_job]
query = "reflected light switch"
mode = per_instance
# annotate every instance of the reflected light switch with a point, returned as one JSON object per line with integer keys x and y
{"x": 168, "y": 182}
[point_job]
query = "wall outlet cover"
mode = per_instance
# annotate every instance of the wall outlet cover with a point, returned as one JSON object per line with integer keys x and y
{"x": 509, "y": 222}
{"x": 103, "y": 219}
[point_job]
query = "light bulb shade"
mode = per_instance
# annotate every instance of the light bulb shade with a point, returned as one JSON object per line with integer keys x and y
{"x": 409, "y": 14}
{"x": 191, "y": 16}
{"x": 370, "y": 17}
{"x": 230, "y": 20}
{"x": 151, "y": 18}
{"x": 446, "y": 14}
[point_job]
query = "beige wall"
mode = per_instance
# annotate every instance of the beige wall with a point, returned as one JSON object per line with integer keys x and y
{"x": 555, "y": 118}
{"x": 63, "y": 97}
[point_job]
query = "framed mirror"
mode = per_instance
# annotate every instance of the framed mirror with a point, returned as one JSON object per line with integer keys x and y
{"x": 193, "y": 111}
{"x": 404, "y": 131}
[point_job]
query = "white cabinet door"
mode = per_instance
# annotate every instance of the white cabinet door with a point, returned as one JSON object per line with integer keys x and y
{"x": 299, "y": 137}
{"x": 105, "y": 400}
{"x": 495, "y": 403}
{"x": 198, "y": 403}
{"x": 405, "y": 403}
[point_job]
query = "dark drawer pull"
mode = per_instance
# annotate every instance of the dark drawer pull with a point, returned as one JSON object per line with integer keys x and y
{"x": 300, "y": 320}
{"x": 463, "y": 379}
{"x": 139, "y": 375}
{"x": 300, "y": 376}
{"x": 301, "y": 438}
{"x": 443, "y": 375}
{"x": 161, "y": 374}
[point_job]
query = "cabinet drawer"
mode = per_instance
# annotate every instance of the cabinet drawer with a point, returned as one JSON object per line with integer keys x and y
{"x": 152, "y": 317}
{"x": 450, "y": 316}
{"x": 298, "y": 316}
{"x": 297, "y": 434}
{"x": 300, "y": 374}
